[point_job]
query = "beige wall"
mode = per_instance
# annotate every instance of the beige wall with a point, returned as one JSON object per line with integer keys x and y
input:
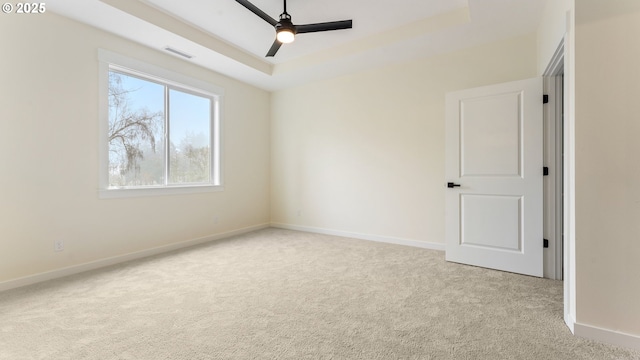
{"x": 49, "y": 154}
{"x": 607, "y": 167}
{"x": 364, "y": 153}
{"x": 551, "y": 30}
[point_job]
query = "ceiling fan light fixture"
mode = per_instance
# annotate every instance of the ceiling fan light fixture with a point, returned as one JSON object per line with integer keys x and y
{"x": 285, "y": 30}
{"x": 285, "y": 35}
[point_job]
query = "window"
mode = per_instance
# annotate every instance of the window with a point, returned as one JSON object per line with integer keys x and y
{"x": 161, "y": 133}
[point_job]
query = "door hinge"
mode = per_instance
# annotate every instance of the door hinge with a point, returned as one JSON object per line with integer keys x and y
{"x": 545, "y": 243}
{"x": 545, "y": 99}
{"x": 545, "y": 171}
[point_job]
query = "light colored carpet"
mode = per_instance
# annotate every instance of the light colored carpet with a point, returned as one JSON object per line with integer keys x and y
{"x": 279, "y": 294}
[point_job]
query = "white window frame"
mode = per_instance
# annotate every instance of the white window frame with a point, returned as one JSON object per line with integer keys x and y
{"x": 112, "y": 61}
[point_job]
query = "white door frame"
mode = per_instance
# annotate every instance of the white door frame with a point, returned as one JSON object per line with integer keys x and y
{"x": 553, "y": 150}
{"x": 562, "y": 204}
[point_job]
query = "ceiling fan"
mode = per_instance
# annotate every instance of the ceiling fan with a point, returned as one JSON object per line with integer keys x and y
{"x": 286, "y": 30}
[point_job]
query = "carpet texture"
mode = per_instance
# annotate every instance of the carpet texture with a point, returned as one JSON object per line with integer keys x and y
{"x": 280, "y": 294}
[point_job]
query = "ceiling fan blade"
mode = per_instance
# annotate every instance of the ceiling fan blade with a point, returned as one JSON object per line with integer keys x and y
{"x": 326, "y": 26}
{"x": 254, "y": 9}
{"x": 274, "y": 48}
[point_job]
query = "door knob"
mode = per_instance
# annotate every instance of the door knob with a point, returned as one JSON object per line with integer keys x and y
{"x": 452, "y": 185}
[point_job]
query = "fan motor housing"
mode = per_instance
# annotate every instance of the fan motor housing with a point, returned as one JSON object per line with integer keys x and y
{"x": 285, "y": 24}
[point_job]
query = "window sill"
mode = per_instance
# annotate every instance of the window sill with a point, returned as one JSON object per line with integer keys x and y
{"x": 114, "y": 193}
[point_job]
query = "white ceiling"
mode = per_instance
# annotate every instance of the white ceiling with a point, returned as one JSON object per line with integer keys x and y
{"x": 224, "y": 36}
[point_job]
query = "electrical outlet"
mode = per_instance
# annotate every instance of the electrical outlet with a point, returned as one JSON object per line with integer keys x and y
{"x": 299, "y": 213}
{"x": 58, "y": 245}
{"x": 216, "y": 219}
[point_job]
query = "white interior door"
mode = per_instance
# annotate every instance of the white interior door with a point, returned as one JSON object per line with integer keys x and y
{"x": 494, "y": 148}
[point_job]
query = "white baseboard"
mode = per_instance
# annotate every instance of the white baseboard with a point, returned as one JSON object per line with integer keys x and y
{"x": 608, "y": 336}
{"x": 384, "y": 239}
{"x": 75, "y": 269}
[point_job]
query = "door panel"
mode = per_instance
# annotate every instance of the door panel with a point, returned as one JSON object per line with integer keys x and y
{"x": 494, "y": 151}
{"x": 491, "y": 117}
{"x": 479, "y": 226}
